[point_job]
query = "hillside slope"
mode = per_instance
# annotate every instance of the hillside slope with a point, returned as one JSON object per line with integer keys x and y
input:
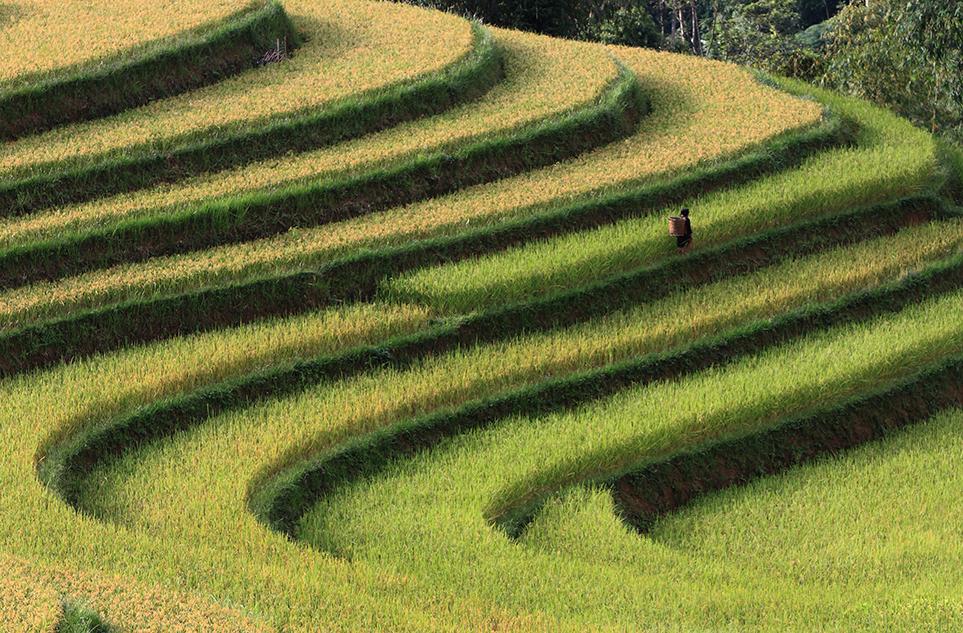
{"x": 389, "y": 335}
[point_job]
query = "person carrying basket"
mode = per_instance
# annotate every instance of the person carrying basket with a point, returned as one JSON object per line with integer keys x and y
{"x": 681, "y": 229}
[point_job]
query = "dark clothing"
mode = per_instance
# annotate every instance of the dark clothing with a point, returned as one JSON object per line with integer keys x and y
{"x": 683, "y": 240}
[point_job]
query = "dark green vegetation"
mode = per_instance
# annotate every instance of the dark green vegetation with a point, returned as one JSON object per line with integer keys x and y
{"x": 79, "y": 619}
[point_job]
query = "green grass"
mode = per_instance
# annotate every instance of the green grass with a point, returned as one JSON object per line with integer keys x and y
{"x": 684, "y": 107}
{"x": 349, "y": 426}
{"x": 79, "y": 619}
{"x": 891, "y": 160}
{"x": 881, "y": 518}
{"x": 428, "y": 516}
{"x": 883, "y": 515}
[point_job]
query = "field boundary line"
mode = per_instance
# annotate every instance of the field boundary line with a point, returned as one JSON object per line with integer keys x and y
{"x": 318, "y": 202}
{"x": 464, "y": 80}
{"x": 103, "y": 87}
{"x": 281, "y": 498}
{"x": 657, "y": 489}
{"x": 67, "y": 458}
{"x": 356, "y": 278}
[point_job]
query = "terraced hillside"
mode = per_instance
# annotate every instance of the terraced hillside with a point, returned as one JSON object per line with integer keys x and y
{"x": 384, "y": 332}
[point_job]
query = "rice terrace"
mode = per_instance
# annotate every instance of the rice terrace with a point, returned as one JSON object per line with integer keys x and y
{"x": 354, "y": 315}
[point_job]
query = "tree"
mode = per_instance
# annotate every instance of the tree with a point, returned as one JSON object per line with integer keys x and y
{"x": 815, "y": 11}
{"x": 906, "y": 54}
{"x": 752, "y": 31}
{"x": 630, "y": 25}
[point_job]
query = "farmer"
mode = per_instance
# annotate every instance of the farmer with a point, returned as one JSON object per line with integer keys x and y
{"x": 684, "y": 241}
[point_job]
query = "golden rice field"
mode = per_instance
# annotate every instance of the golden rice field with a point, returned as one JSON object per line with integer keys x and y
{"x": 34, "y": 594}
{"x": 531, "y": 62}
{"x": 65, "y": 33}
{"x": 351, "y": 47}
{"x": 681, "y": 111}
{"x": 505, "y": 403}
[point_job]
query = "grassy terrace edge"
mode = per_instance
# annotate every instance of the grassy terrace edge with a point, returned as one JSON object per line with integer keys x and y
{"x": 467, "y": 78}
{"x": 658, "y": 489}
{"x": 356, "y": 278}
{"x": 191, "y": 60}
{"x": 320, "y": 201}
{"x": 66, "y": 459}
{"x": 283, "y": 499}
{"x": 78, "y": 618}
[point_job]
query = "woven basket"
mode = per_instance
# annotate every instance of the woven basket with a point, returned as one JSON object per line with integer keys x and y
{"x": 676, "y": 226}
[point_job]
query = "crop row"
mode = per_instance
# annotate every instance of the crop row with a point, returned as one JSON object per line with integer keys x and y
{"x": 428, "y": 515}
{"x": 889, "y": 161}
{"x": 650, "y": 151}
{"x": 619, "y": 337}
{"x": 352, "y": 47}
{"x": 813, "y": 532}
{"x": 429, "y": 172}
{"x": 877, "y": 527}
{"x": 190, "y": 61}
{"x": 177, "y": 353}
{"x": 68, "y": 34}
{"x": 480, "y": 368}
{"x": 152, "y": 319}
{"x": 376, "y": 369}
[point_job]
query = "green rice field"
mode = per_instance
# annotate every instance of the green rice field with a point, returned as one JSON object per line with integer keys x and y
{"x": 383, "y": 330}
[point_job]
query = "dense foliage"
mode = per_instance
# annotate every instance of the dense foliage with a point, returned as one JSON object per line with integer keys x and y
{"x": 906, "y": 54}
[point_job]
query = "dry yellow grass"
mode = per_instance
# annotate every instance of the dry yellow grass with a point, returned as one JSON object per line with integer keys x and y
{"x": 31, "y": 598}
{"x": 27, "y": 603}
{"x": 701, "y": 110}
{"x": 42, "y": 36}
{"x": 353, "y": 46}
{"x": 544, "y": 77}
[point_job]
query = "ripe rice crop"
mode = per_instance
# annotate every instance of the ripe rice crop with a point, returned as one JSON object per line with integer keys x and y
{"x": 281, "y": 431}
{"x": 699, "y": 105}
{"x": 438, "y": 501}
{"x": 68, "y": 33}
{"x": 892, "y": 159}
{"x": 353, "y": 46}
{"x": 127, "y": 379}
{"x": 45, "y": 599}
{"x": 373, "y": 432}
{"x": 26, "y": 603}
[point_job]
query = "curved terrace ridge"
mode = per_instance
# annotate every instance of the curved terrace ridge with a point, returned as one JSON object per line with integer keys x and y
{"x": 297, "y": 487}
{"x": 129, "y": 168}
{"x": 154, "y": 71}
{"x": 357, "y": 278}
{"x": 627, "y": 166}
{"x": 413, "y": 351}
{"x": 430, "y": 172}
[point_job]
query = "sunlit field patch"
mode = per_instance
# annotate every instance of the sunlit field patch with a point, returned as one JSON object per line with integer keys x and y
{"x": 891, "y": 160}
{"x": 65, "y": 33}
{"x": 692, "y": 100}
{"x": 352, "y": 46}
{"x": 428, "y": 430}
{"x": 435, "y": 534}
